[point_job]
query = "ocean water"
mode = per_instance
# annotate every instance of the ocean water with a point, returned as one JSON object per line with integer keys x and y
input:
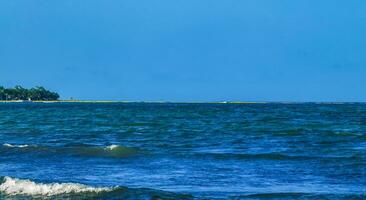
{"x": 182, "y": 151}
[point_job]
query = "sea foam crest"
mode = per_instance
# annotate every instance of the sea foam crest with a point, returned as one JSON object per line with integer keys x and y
{"x": 113, "y": 146}
{"x": 18, "y": 146}
{"x": 13, "y": 186}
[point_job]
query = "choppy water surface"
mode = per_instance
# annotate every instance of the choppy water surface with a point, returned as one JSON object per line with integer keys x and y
{"x": 182, "y": 151}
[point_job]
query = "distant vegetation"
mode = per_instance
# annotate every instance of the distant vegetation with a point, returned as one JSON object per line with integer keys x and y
{"x": 34, "y": 94}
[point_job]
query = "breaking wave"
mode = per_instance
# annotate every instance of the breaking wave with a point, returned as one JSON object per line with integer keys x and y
{"x": 14, "y": 187}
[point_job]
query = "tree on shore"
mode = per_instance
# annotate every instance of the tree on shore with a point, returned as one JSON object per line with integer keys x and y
{"x": 2, "y": 93}
{"x": 20, "y": 93}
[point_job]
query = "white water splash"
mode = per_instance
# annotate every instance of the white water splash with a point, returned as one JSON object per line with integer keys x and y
{"x": 111, "y": 147}
{"x": 18, "y": 146}
{"x": 14, "y": 186}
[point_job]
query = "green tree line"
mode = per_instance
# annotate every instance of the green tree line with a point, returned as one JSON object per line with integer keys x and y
{"x": 34, "y": 94}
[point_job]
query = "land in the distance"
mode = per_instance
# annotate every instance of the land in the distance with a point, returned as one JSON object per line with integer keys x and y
{"x": 18, "y": 93}
{"x": 114, "y": 101}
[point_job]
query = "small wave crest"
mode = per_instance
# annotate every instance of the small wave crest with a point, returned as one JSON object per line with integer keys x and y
{"x": 15, "y": 146}
{"x": 13, "y": 186}
{"x": 108, "y": 151}
{"x": 115, "y": 151}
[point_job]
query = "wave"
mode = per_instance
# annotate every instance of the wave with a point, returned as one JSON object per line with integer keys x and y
{"x": 14, "y": 187}
{"x": 251, "y": 156}
{"x": 299, "y": 195}
{"x": 108, "y": 151}
{"x": 277, "y": 156}
{"x": 115, "y": 151}
{"x": 18, "y": 146}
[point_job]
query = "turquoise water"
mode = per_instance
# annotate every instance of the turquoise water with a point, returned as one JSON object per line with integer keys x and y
{"x": 182, "y": 151}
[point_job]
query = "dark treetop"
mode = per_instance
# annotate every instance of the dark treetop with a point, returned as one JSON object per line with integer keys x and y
{"x": 20, "y": 93}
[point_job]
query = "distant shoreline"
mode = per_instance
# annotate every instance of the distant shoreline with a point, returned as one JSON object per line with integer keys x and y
{"x": 162, "y": 102}
{"x": 110, "y": 101}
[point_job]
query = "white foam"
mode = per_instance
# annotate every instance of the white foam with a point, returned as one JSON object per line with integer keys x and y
{"x": 14, "y": 186}
{"x": 111, "y": 147}
{"x": 18, "y": 146}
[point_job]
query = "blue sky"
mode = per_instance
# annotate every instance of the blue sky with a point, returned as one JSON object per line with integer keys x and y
{"x": 187, "y": 50}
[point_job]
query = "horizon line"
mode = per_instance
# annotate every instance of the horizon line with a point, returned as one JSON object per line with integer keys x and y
{"x": 183, "y": 102}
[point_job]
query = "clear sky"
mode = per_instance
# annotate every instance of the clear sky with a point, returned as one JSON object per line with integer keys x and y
{"x": 187, "y": 50}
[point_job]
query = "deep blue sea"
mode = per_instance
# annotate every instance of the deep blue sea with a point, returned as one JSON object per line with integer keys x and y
{"x": 182, "y": 151}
